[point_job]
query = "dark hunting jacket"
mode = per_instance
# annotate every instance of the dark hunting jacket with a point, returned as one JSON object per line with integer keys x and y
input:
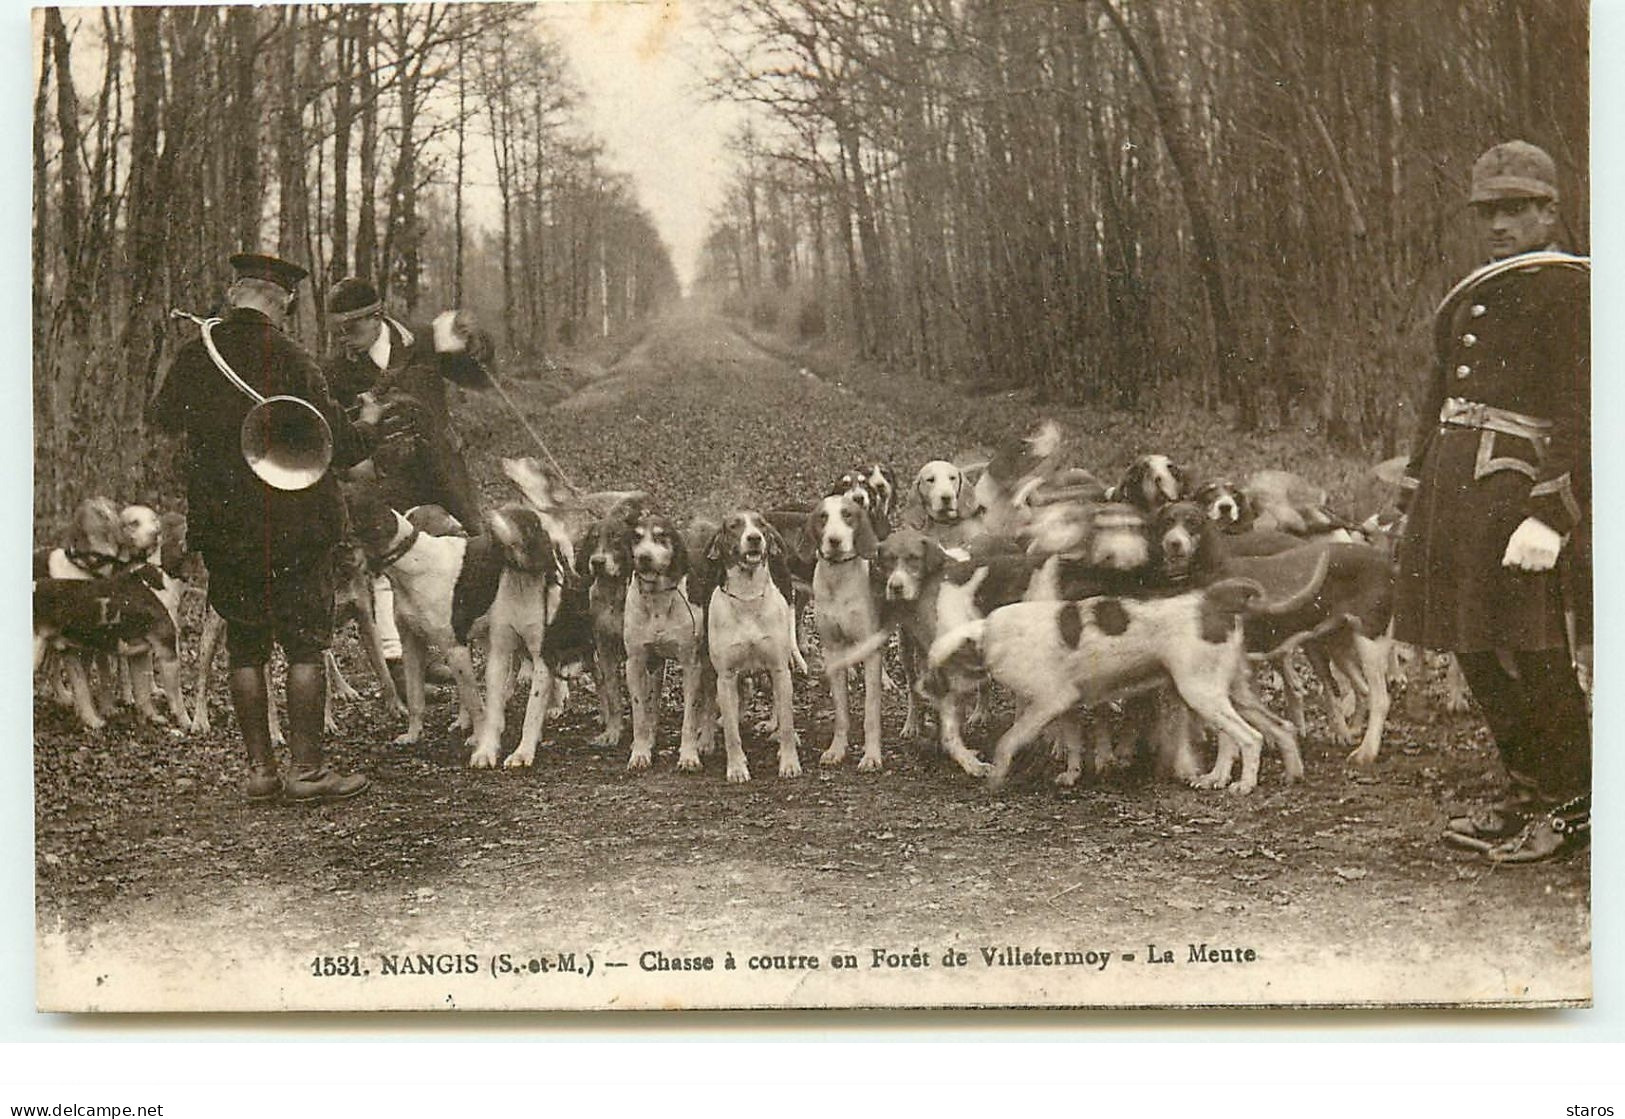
{"x": 436, "y": 474}
{"x": 1504, "y": 433}
{"x": 229, "y": 510}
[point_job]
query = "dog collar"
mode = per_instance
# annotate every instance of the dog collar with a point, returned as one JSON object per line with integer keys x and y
{"x": 98, "y": 562}
{"x": 645, "y": 581}
{"x": 395, "y": 551}
{"x": 825, "y": 559}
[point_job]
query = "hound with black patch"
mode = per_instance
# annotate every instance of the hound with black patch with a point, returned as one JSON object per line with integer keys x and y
{"x": 527, "y": 598}
{"x": 1152, "y": 481}
{"x": 93, "y": 548}
{"x": 1057, "y": 656}
{"x": 604, "y": 557}
{"x": 748, "y": 629}
{"x": 442, "y": 586}
{"x": 873, "y": 486}
{"x": 847, "y": 615}
{"x": 1341, "y": 598}
{"x": 661, "y": 623}
{"x": 117, "y": 616}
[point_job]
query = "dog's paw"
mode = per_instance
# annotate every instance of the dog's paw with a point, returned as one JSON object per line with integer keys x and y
{"x": 835, "y": 755}
{"x": 738, "y": 774}
{"x": 200, "y": 723}
{"x": 1069, "y": 778}
{"x": 789, "y": 766}
{"x": 1213, "y": 780}
{"x": 396, "y": 710}
{"x": 330, "y": 725}
{"x": 688, "y": 761}
{"x": 976, "y": 767}
{"x": 640, "y": 759}
{"x": 870, "y": 762}
{"x": 407, "y": 738}
{"x": 1362, "y": 757}
{"x": 520, "y": 759}
{"x": 1242, "y": 788}
{"x": 482, "y": 759}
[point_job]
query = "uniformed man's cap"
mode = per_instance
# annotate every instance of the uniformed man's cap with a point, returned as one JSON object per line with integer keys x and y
{"x": 352, "y": 298}
{"x": 1514, "y": 169}
{"x": 263, "y": 266}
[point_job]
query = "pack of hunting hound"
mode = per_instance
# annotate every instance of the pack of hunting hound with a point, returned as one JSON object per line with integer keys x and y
{"x": 1130, "y": 616}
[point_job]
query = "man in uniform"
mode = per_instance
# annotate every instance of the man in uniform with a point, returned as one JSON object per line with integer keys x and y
{"x": 268, "y": 551}
{"x": 410, "y": 367}
{"x": 1494, "y": 563}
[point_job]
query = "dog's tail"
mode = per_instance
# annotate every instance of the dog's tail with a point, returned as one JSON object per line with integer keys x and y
{"x": 860, "y": 652}
{"x": 955, "y": 660}
{"x": 1233, "y": 597}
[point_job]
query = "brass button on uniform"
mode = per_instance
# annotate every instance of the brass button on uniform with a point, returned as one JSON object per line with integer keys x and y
{"x": 1477, "y": 310}
{"x": 1469, "y": 339}
{"x": 1463, "y": 370}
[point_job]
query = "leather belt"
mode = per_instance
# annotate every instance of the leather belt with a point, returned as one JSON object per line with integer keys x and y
{"x": 1457, "y": 412}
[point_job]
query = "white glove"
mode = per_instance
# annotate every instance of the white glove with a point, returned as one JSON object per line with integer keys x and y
{"x": 450, "y": 333}
{"x": 1533, "y": 546}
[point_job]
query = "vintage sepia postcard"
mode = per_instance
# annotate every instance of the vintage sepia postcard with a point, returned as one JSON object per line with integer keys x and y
{"x": 798, "y": 503}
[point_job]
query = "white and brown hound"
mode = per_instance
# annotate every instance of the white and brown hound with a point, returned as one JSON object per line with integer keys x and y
{"x": 874, "y": 486}
{"x": 1057, "y": 656}
{"x": 943, "y": 505}
{"x": 1152, "y": 481}
{"x": 604, "y": 554}
{"x": 442, "y": 586}
{"x": 847, "y": 615}
{"x": 1332, "y": 599}
{"x": 93, "y": 548}
{"x": 748, "y": 629}
{"x": 120, "y": 616}
{"x": 660, "y": 623}
{"x": 527, "y": 598}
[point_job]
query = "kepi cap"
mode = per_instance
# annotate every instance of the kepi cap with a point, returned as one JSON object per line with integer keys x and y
{"x": 263, "y": 266}
{"x": 352, "y": 298}
{"x": 1515, "y": 169}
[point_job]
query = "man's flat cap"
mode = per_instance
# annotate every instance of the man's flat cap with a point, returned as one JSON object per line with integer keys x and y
{"x": 263, "y": 266}
{"x": 352, "y": 298}
{"x": 1515, "y": 169}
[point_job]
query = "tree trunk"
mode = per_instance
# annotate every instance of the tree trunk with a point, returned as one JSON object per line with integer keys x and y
{"x": 366, "y": 226}
{"x": 246, "y": 107}
{"x": 76, "y": 288}
{"x": 343, "y": 120}
{"x": 1228, "y": 361}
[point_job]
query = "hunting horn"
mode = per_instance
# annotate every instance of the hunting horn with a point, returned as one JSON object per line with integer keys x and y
{"x": 285, "y": 440}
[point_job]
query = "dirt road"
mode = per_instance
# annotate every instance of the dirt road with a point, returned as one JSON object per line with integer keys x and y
{"x": 158, "y": 887}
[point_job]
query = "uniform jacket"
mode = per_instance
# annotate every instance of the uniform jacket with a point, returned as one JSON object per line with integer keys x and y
{"x": 438, "y": 475}
{"x": 229, "y": 510}
{"x": 1519, "y": 342}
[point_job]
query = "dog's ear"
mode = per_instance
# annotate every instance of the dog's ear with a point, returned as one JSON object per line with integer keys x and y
{"x": 680, "y": 565}
{"x": 865, "y": 542}
{"x": 1132, "y": 487}
{"x": 1184, "y": 478}
{"x": 919, "y": 486}
{"x": 583, "y": 543}
{"x": 933, "y": 558}
{"x": 718, "y": 548}
{"x": 775, "y": 542}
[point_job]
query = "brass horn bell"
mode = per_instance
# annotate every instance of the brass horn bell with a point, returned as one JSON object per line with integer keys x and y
{"x": 286, "y": 443}
{"x": 285, "y": 440}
